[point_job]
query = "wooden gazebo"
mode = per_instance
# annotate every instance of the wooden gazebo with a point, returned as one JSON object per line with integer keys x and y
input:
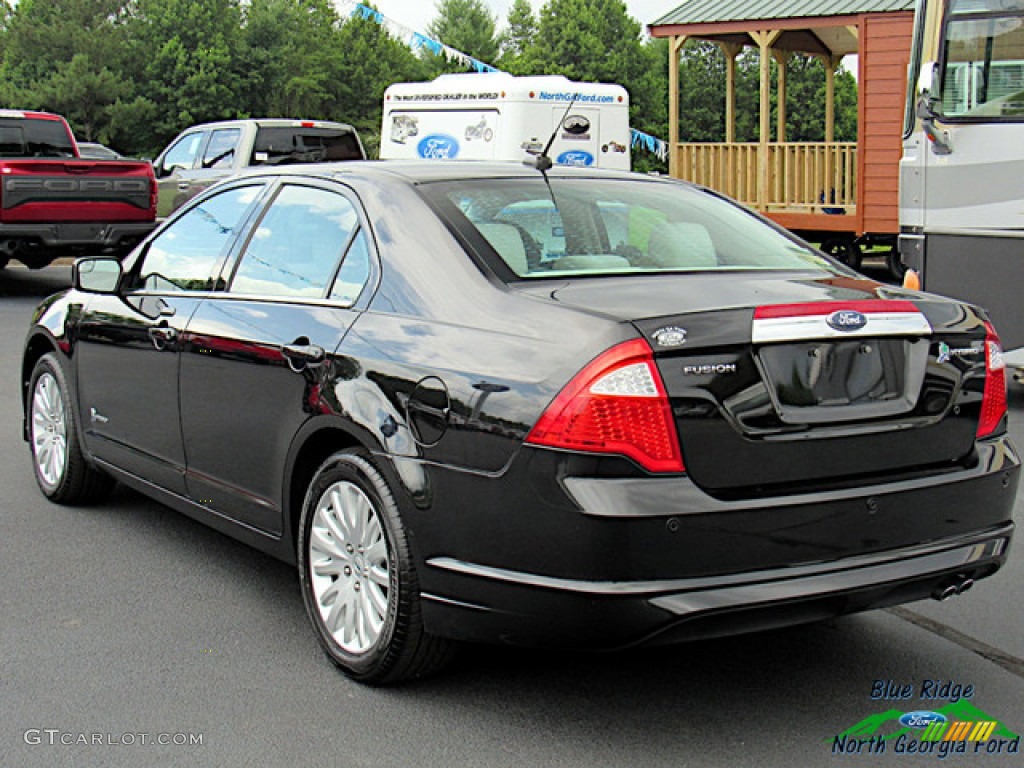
{"x": 842, "y": 190}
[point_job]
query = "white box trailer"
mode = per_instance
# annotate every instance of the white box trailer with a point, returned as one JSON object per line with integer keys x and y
{"x": 496, "y": 116}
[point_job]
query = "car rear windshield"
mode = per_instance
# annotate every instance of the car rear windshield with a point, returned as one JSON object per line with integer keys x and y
{"x": 284, "y": 145}
{"x": 595, "y": 226}
{"x": 21, "y": 137}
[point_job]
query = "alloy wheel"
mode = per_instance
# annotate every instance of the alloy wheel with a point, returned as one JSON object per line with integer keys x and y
{"x": 350, "y": 567}
{"x": 49, "y": 431}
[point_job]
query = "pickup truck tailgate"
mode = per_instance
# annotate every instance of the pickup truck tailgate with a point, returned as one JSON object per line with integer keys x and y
{"x": 38, "y": 190}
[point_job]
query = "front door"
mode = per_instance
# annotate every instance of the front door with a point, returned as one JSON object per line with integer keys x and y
{"x": 128, "y": 351}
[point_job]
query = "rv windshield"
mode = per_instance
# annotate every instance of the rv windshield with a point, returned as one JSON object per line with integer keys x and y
{"x": 983, "y": 60}
{"x": 603, "y": 226}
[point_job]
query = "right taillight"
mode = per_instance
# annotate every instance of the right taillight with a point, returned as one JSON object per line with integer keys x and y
{"x": 993, "y": 404}
{"x": 616, "y": 405}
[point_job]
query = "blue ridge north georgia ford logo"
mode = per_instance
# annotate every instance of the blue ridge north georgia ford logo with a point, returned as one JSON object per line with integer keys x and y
{"x": 847, "y": 320}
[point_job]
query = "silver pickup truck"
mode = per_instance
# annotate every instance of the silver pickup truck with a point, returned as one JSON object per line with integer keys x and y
{"x": 204, "y": 154}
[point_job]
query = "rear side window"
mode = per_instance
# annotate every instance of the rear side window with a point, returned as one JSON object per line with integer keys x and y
{"x": 604, "y": 226}
{"x": 187, "y": 255}
{"x": 281, "y": 146}
{"x": 220, "y": 152}
{"x": 297, "y": 246}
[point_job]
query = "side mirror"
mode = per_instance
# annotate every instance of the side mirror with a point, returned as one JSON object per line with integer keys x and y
{"x": 925, "y": 110}
{"x": 96, "y": 275}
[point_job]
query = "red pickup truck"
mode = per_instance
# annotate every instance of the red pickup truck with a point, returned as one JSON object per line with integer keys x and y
{"x": 53, "y": 203}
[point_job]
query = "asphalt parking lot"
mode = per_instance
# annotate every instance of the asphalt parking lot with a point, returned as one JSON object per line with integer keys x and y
{"x": 127, "y": 624}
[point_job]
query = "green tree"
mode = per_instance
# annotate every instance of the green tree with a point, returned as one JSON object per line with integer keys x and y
{"x": 189, "y": 59}
{"x": 368, "y": 61}
{"x": 513, "y": 42}
{"x": 65, "y": 56}
{"x": 466, "y": 26}
{"x": 290, "y": 66}
{"x": 701, "y": 92}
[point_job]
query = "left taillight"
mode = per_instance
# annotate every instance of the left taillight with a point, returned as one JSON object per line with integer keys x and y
{"x": 993, "y": 403}
{"x": 617, "y": 404}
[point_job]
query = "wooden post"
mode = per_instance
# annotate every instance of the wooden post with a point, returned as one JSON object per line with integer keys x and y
{"x": 675, "y": 44}
{"x": 764, "y": 40}
{"x": 730, "y": 51}
{"x": 781, "y": 59}
{"x": 830, "y": 62}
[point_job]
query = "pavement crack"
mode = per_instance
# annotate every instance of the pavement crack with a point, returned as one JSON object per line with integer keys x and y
{"x": 1007, "y": 661}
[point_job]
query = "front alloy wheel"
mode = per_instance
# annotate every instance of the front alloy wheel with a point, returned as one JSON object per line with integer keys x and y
{"x": 49, "y": 432}
{"x": 62, "y": 471}
{"x": 358, "y": 578}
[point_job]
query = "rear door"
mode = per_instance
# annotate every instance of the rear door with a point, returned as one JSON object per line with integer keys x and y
{"x": 256, "y": 355}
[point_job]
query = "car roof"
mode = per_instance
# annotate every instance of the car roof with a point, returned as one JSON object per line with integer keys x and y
{"x": 426, "y": 171}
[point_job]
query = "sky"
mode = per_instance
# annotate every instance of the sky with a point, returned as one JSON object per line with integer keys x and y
{"x": 417, "y": 14}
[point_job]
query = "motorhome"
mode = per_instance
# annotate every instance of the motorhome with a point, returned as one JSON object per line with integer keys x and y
{"x": 961, "y": 195}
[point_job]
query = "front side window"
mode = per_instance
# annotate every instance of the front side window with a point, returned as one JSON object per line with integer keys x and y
{"x": 297, "y": 246}
{"x": 983, "y": 60}
{"x": 187, "y": 255}
{"x": 183, "y": 153}
{"x": 593, "y": 226}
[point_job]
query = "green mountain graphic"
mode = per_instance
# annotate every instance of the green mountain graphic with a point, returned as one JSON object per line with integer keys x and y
{"x": 958, "y": 710}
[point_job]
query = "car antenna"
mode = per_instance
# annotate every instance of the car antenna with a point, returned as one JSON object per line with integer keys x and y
{"x": 543, "y": 162}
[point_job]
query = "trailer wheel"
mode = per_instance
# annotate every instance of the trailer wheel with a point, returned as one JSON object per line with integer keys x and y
{"x": 894, "y": 262}
{"x": 844, "y": 249}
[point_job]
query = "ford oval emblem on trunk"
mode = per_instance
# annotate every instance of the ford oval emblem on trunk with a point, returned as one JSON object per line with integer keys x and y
{"x": 847, "y": 320}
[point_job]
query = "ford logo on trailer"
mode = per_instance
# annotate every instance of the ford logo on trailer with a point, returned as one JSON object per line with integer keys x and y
{"x": 921, "y": 719}
{"x": 576, "y": 157}
{"x": 438, "y": 146}
{"x": 847, "y": 320}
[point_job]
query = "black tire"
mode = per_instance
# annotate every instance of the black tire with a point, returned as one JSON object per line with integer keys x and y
{"x": 63, "y": 473}
{"x": 341, "y": 575}
{"x": 843, "y": 249}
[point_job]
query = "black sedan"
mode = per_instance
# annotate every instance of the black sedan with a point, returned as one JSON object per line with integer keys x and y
{"x": 486, "y": 403}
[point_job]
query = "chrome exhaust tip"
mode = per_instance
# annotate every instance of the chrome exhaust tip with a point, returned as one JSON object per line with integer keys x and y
{"x": 944, "y": 593}
{"x": 964, "y": 586}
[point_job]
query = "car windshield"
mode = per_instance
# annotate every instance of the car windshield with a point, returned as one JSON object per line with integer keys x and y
{"x": 593, "y": 226}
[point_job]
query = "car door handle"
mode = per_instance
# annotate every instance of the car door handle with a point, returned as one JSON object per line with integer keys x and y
{"x": 162, "y": 335}
{"x": 183, "y": 185}
{"x": 300, "y": 355}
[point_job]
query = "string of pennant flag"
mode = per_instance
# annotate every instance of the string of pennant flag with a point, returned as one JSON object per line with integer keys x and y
{"x": 416, "y": 41}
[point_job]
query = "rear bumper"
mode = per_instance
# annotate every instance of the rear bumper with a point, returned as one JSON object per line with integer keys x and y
{"x": 662, "y": 562}
{"x": 75, "y": 236}
{"x": 533, "y": 610}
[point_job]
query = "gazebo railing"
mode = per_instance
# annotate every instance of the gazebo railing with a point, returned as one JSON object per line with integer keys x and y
{"x": 801, "y": 177}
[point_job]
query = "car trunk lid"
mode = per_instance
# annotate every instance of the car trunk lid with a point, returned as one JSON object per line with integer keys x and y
{"x": 853, "y": 380}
